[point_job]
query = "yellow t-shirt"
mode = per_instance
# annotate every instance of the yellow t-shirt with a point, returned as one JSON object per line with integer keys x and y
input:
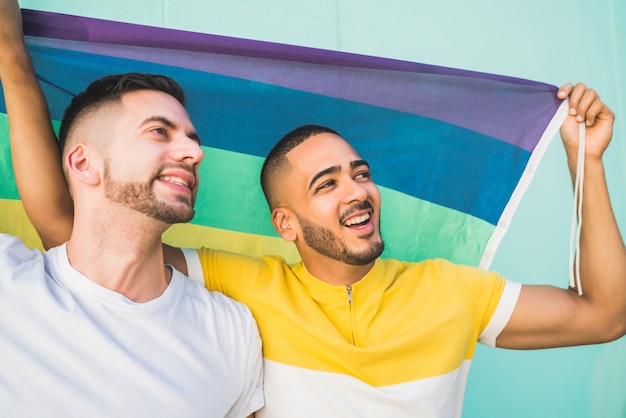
{"x": 397, "y": 343}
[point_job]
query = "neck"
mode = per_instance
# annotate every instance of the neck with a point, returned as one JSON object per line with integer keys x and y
{"x": 336, "y": 272}
{"x": 126, "y": 257}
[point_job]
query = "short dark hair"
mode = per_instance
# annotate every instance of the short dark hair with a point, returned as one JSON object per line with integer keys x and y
{"x": 111, "y": 88}
{"x": 276, "y": 159}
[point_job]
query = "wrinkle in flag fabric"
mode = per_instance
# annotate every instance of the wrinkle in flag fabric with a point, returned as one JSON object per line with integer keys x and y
{"x": 452, "y": 151}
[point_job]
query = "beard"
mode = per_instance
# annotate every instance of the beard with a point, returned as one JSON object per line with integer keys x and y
{"x": 140, "y": 196}
{"x": 325, "y": 242}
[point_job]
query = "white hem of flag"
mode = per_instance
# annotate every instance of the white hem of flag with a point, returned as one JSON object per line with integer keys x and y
{"x": 529, "y": 173}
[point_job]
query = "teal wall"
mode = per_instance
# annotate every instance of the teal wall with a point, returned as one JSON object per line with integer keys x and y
{"x": 553, "y": 41}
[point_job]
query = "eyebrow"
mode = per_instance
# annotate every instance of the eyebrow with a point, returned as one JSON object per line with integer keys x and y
{"x": 357, "y": 163}
{"x": 335, "y": 169}
{"x": 165, "y": 121}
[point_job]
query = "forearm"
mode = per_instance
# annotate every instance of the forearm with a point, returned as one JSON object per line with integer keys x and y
{"x": 602, "y": 251}
{"x": 34, "y": 148}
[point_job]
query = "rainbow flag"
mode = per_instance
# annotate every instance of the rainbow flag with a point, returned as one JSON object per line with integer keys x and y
{"x": 451, "y": 150}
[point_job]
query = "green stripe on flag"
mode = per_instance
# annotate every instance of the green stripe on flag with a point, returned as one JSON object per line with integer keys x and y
{"x": 230, "y": 199}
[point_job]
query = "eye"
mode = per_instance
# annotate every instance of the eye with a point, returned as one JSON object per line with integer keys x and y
{"x": 325, "y": 185}
{"x": 362, "y": 175}
{"x": 159, "y": 130}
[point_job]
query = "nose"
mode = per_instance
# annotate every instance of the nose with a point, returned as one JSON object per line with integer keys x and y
{"x": 355, "y": 191}
{"x": 188, "y": 150}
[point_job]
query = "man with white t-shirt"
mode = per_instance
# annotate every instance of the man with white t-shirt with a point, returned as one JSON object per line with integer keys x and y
{"x": 348, "y": 334}
{"x": 100, "y": 326}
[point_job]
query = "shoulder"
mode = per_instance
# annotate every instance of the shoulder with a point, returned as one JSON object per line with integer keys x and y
{"x": 211, "y": 255}
{"x": 233, "y": 320}
{"x": 217, "y": 266}
{"x": 14, "y": 252}
{"x": 433, "y": 267}
{"x": 456, "y": 272}
{"x": 229, "y": 305}
{"x": 23, "y": 267}
{"x": 437, "y": 270}
{"x": 214, "y": 304}
{"x": 9, "y": 242}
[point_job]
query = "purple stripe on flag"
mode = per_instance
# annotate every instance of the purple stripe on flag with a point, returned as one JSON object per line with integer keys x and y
{"x": 376, "y": 81}
{"x": 78, "y": 28}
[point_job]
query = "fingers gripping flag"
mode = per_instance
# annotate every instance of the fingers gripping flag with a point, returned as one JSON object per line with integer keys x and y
{"x": 452, "y": 151}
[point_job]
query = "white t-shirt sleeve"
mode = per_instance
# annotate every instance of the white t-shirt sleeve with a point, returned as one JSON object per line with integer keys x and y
{"x": 503, "y": 313}
{"x": 194, "y": 268}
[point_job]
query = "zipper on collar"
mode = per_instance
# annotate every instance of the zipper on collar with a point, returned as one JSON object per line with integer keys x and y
{"x": 351, "y": 323}
{"x": 349, "y": 294}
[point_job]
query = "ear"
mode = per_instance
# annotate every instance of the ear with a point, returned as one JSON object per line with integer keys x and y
{"x": 282, "y": 219}
{"x": 82, "y": 162}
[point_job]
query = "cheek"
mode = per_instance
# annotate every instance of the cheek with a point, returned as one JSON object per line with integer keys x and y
{"x": 144, "y": 159}
{"x": 374, "y": 194}
{"x": 326, "y": 205}
{"x": 132, "y": 169}
{"x": 320, "y": 211}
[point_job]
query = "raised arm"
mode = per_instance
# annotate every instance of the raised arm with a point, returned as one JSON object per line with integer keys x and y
{"x": 34, "y": 147}
{"x": 546, "y": 316}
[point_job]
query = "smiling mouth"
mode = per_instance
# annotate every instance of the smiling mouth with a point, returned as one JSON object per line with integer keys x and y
{"x": 358, "y": 220}
{"x": 175, "y": 180}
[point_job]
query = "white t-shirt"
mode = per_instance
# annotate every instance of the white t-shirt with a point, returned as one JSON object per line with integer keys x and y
{"x": 70, "y": 347}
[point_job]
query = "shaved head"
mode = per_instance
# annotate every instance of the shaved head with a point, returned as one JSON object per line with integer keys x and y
{"x": 87, "y": 105}
{"x": 276, "y": 164}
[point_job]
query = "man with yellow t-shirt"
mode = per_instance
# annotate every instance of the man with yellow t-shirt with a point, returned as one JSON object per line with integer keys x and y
{"x": 345, "y": 333}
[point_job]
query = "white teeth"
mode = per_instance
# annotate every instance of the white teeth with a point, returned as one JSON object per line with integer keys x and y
{"x": 357, "y": 220}
{"x": 175, "y": 180}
